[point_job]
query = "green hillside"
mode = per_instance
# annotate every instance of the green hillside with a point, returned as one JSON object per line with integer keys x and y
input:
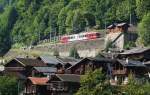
{"x": 26, "y": 21}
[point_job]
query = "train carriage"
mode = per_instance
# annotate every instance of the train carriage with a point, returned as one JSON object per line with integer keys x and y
{"x": 80, "y": 37}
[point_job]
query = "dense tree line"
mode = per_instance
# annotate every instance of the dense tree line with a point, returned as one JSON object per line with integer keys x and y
{"x": 27, "y": 21}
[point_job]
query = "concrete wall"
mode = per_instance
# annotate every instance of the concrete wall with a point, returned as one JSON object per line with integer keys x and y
{"x": 85, "y": 48}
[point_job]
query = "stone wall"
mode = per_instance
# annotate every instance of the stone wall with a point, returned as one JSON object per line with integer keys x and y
{"x": 121, "y": 38}
{"x": 85, "y": 48}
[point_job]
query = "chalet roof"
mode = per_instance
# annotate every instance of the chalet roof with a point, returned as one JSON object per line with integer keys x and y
{"x": 30, "y": 62}
{"x": 69, "y": 77}
{"x": 38, "y": 81}
{"x": 50, "y": 59}
{"x": 135, "y": 51}
{"x": 95, "y": 59}
{"x": 122, "y": 24}
{"x": 131, "y": 63}
{"x": 46, "y": 69}
{"x": 101, "y": 59}
{"x": 58, "y": 60}
{"x": 69, "y": 60}
{"x": 111, "y": 26}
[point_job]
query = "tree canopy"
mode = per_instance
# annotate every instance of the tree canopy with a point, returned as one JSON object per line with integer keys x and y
{"x": 8, "y": 85}
{"x": 28, "y": 21}
{"x": 144, "y": 30}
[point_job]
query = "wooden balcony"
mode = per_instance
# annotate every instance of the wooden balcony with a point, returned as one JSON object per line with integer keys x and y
{"x": 57, "y": 86}
{"x": 14, "y": 68}
{"x": 119, "y": 72}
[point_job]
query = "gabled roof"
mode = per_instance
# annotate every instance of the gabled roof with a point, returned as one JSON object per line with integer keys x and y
{"x": 58, "y": 60}
{"x": 122, "y": 24}
{"x": 131, "y": 63}
{"x": 50, "y": 60}
{"x": 38, "y": 81}
{"x": 28, "y": 62}
{"x": 98, "y": 60}
{"x": 69, "y": 60}
{"x": 46, "y": 69}
{"x": 135, "y": 51}
{"x": 69, "y": 77}
{"x": 111, "y": 26}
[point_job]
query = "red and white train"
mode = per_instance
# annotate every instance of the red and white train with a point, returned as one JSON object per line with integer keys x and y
{"x": 79, "y": 37}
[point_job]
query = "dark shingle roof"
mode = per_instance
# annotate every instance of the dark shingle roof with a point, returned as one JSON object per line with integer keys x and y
{"x": 50, "y": 60}
{"x": 46, "y": 69}
{"x": 69, "y": 77}
{"x": 30, "y": 62}
{"x": 111, "y": 26}
{"x": 135, "y": 51}
{"x": 122, "y": 24}
{"x": 97, "y": 60}
{"x": 131, "y": 63}
{"x": 69, "y": 60}
{"x": 58, "y": 60}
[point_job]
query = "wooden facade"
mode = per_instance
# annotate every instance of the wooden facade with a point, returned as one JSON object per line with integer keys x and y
{"x": 36, "y": 86}
{"x": 89, "y": 64}
{"x": 58, "y": 84}
{"x": 21, "y": 67}
{"x": 123, "y": 68}
{"x": 140, "y": 54}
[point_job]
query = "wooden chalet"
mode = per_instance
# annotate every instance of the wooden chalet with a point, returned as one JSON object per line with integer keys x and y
{"x": 61, "y": 63}
{"x": 36, "y": 86}
{"x": 139, "y": 53}
{"x": 57, "y": 84}
{"x": 68, "y": 61}
{"x": 21, "y": 67}
{"x": 63, "y": 84}
{"x": 123, "y": 68}
{"x": 87, "y": 64}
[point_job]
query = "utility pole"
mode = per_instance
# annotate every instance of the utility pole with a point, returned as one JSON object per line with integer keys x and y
{"x": 39, "y": 35}
{"x": 130, "y": 18}
{"x": 105, "y": 25}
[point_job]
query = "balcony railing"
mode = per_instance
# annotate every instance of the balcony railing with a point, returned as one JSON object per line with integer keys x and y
{"x": 119, "y": 72}
{"x": 14, "y": 68}
{"x": 57, "y": 86}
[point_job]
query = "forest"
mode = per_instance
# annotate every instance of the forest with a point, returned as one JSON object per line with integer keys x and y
{"x": 24, "y": 22}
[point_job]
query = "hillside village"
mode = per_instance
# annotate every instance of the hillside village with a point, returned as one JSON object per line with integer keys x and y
{"x": 58, "y": 75}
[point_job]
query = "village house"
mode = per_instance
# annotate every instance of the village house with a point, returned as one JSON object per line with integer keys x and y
{"x": 21, "y": 67}
{"x": 61, "y": 63}
{"x": 87, "y": 64}
{"x": 64, "y": 84}
{"x": 36, "y": 86}
{"x": 139, "y": 53}
{"x": 56, "y": 84}
{"x": 123, "y": 68}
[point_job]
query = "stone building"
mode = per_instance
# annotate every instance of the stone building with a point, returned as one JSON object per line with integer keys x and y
{"x": 118, "y": 35}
